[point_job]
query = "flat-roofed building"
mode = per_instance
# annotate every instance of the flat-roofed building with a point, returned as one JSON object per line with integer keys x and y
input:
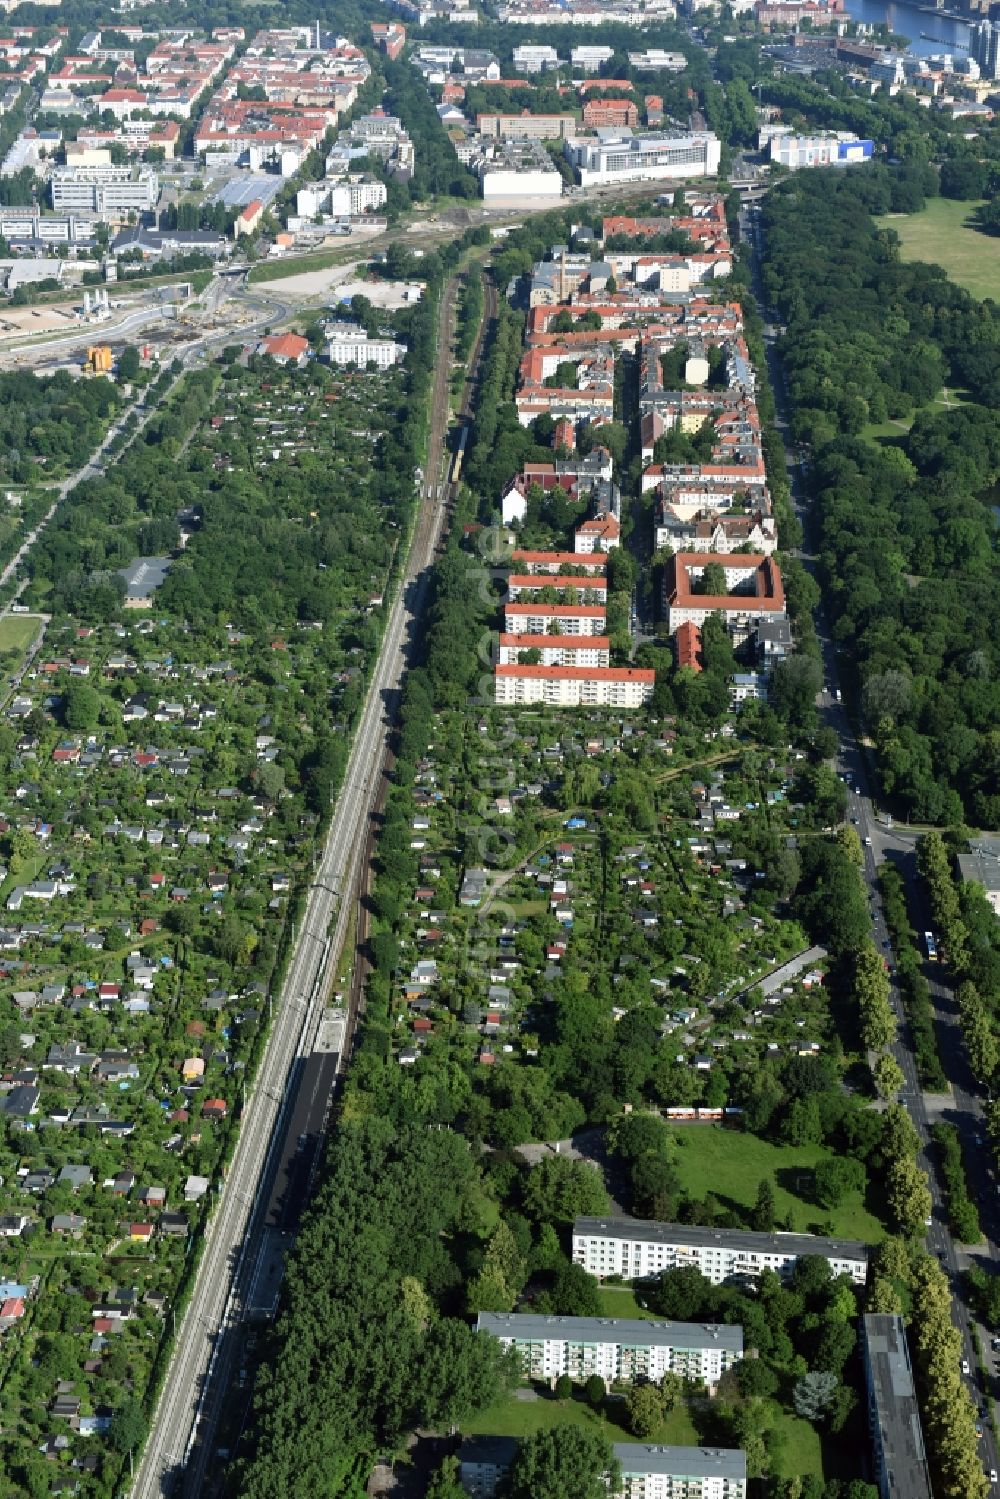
{"x": 554, "y": 619}
{"x": 620, "y": 156}
{"x": 573, "y": 687}
{"x": 647, "y": 1472}
{"x": 893, "y": 1414}
{"x": 637, "y": 1249}
{"x": 619, "y": 1349}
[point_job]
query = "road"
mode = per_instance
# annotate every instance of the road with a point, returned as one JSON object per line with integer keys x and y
{"x": 883, "y": 840}
{"x": 192, "y": 1389}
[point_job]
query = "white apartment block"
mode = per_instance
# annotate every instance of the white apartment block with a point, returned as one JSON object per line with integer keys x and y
{"x": 554, "y": 619}
{"x": 350, "y": 345}
{"x": 647, "y": 1472}
{"x": 590, "y": 59}
{"x": 602, "y": 533}
{"x": 535, "y": 59}
{"x": 557, "y": 650}
{"x": 109, "y": 191}
{"x": 620, "y": 1350}
{"x": 553, "y": 563}
{"x": 639, "y": 1250}
{"x": 619, "y": 156}
{"x": 590, "y": 590}
{"x": 518, "y": 684}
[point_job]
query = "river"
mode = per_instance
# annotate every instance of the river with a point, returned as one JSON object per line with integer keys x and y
{"x": 908, "y": 20}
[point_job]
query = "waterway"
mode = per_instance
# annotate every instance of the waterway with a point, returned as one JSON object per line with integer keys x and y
{"x": 910, "y": 21}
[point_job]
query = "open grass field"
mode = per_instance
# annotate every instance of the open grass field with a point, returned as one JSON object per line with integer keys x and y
{"x": 942, "y": 234}
{"x": 521, "y": 1418}
{"x": 17, "y": 631}
{"x": 732, "y": 1166}
{"x": 798, "y": 1448}
{"x": 894, "y": 431}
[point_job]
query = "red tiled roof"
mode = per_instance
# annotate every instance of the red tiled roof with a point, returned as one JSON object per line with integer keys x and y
{"x": 578, "y": 673}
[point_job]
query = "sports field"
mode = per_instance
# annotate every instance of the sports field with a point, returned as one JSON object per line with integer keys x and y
{"x": 942, "y": 233}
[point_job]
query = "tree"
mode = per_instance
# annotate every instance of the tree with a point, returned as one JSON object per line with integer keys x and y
{"x": 562, "y": 1461}
{"x": 128, "y": 1427}
{"x": 445, "y": 1482}
{"x": 813, "y": 1393}
{"x": 887, "y": 1075}
{"x": 763, "y": 1211}
{"x": 559, "y": 1190}
{"x": 595, "y": 1391}
{"x": 574, "y": 1293}
{"x": 128, "y": 363}
{"x": 908, "y": 1194}
{"x": 80, "y": 708}
{"x": 836, "y": 1179}
{"x": 644, "y": 1410}
{"x": 563, "y": 1388}
{"x": 712, "y": 580}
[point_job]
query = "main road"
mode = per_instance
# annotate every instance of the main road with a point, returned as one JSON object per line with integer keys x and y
{"x": 299, "y": 1008}
{"x": 884, "y": 841}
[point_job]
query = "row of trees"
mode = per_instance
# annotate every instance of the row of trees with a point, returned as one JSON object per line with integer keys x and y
{"x": 970, "y": 954}
{"x": 911, "y": 981}
{"x": 961, "y": 1209}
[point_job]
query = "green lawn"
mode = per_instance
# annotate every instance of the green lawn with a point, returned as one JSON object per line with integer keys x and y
{"x": 282, "y": 267}
{"x": 732, "y": 1166}
{"x": 941, "y": 233}
{"x": 17, "y": 631}
{"x": 895, "y": 431}
{"x": 521, "y": 1418}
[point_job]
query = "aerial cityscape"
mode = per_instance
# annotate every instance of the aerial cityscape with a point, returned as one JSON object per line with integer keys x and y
{"x": 500, "y": 729}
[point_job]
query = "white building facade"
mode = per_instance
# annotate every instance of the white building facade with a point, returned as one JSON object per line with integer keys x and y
{"x": 617, "y": 156}
{"x": 639, "y": 1250}
{"x": 620, "y": 1350}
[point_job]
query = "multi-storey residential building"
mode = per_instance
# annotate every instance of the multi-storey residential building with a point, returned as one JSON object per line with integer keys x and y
{"x": 530, "y": 59}
{"x": 349, "y": 345}
{"x": 639, "y": 1250}
{"x": 601, "y": 533}
{"x": 554, "y": 619}
{"x": 556, "y": 650}
{"x": 754, "y": 590}
{"x": 573, "y": 687}
{"x": 893, "y": 1413}
{"x": 591, "y": 590}
{"x": 646, "y": 1472}
{"x": 708, "y": 531}
{"x": 552, "y": 563}
{"x": 620, "y": 1350}
{"x": 617, "y": 156}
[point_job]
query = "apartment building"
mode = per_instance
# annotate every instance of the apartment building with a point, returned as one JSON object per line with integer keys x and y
{"x": 592, "y": 590}
{"x": 554, "y": 619}
{"x": 708, "y": 531}
{"x": 601, "y": 533}
{"x": 518, "y": 684}
{"x": 556, "y": 650}
{"x": 893, "y": 1413}
{"x": 617, "y": 156}
{"x": 620, "y": 1350}
{"x": 552, "y": 563}
{"x": 350, "y": 345}
{"x": 532, "y": 59}
{"x": 646, "y": 1472}
{"x": 639, "y": 1250}
{"x": 515, "y": 170}
{"x": 107, "y": 191}
{"x": 754, "y": 590}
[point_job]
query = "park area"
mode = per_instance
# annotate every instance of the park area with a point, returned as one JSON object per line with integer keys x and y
{"x": 944, "y": 233}
{"x": 734, "y": 1165}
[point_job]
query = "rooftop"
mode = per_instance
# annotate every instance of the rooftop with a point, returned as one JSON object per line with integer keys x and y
{"x": 893, "y": 1407}
{"x": 636, "y": 1229}
{"x": 577, "y": 673}
{"x": 628, "y": 1330}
